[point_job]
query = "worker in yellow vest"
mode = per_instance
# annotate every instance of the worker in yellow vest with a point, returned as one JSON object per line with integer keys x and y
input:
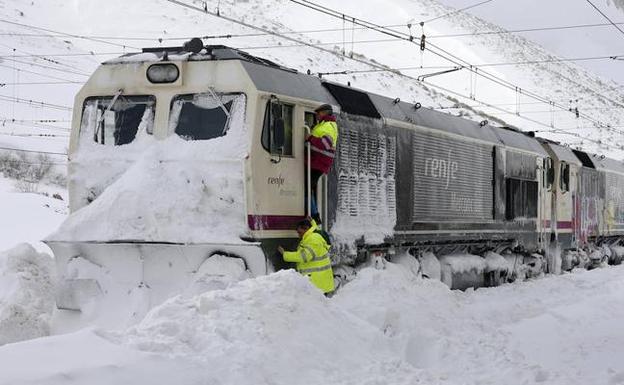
{"x": 312, "y": 256}
{"x": 322, "y": 141}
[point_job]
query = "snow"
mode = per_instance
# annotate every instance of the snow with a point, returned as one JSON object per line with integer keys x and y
{"x": 496, "y": 262}
{"x": 386, "y": 326}
{"x": 28, "y": 217}
{"x": 165, "y": 194}
{"x": 26, "y": 294}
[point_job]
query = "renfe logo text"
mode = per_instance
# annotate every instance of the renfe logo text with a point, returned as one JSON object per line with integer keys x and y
{"x": 444, "y": 169}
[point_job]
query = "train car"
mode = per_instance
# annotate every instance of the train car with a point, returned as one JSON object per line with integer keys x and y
{"x": 406, "y": 179}
{"x": 564, "y": 169}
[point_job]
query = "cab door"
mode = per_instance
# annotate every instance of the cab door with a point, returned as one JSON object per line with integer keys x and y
{"x": 276, "y": 202}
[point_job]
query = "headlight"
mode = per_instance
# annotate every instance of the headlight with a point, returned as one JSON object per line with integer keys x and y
{"x": 163, "y": 73}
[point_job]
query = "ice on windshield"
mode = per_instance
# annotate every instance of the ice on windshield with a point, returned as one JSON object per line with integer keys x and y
{"x": 116, "y": 121}
{"x": 204, "y": 116}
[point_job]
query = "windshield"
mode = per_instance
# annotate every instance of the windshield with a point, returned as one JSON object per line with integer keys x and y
{"x": 203, "y": 116}
{"x": 116, "y": 120}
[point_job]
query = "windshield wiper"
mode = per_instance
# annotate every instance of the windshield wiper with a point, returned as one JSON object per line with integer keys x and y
{"x": 225, "y": 110}
{"x": 101, "y": 119}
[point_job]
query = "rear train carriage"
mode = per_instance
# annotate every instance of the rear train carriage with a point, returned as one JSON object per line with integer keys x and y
{"x": 564, "y": 172}
{"x": 612, "y": 190}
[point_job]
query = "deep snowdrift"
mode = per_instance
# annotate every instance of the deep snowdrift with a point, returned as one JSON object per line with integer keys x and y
{"x": 26, "y": 294}
{"x": 386, "y": 326}
{"x": 171, "y": 190}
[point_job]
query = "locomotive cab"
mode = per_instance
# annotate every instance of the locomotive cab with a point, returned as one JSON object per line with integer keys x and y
{"x": 161, "y": 141}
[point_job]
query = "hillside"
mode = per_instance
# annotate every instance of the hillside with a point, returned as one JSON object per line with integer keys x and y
{"x": 62, "y": 61}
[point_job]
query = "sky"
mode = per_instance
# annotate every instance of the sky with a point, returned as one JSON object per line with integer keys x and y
{"x": 567, "y": 43}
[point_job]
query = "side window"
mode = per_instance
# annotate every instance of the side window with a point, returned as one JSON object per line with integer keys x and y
{"x": 549, "y": 173}
{"x": 310, "y": 119}
{"x": 564, "y": 177}
{"x": 273, "y": 114}
{"x": 521, "y": 199}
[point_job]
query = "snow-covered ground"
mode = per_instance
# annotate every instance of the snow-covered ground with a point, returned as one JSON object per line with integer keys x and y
{"x": 385, "y": 327}
{"x": 29, "y": 217}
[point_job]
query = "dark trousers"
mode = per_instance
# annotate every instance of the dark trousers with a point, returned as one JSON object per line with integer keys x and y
{"x": 315, "y": 175}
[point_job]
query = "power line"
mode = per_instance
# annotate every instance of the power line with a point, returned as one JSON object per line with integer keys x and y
{"x": 34, "y": 102}
{"x": 455, "y": 11}
{"x": 39, "y": 56}
{"x": 310, "y": 31}
{"x": 438, "y": 52}
{"x": 38, "y": 120}
{"x": 50, "y": 67}
{"x": 35, "y": 73}
{"x": 65, "y": 34}
{"x": 369, "y": 63}
{"x": 33, "y": 125}
{"x": 39, "y": 83}
{"x": 509, "y": 31}
{"x": 527, "y": 62}
{"x": 35, "y": 135}
{"x": 606, "y": 17}
{"x": 33, "y": 151}
{"x": 65, "y": 54}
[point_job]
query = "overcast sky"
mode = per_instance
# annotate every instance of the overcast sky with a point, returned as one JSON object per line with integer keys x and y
{"x": 568, "y": 43}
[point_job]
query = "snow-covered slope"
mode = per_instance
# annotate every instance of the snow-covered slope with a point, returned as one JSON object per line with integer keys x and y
{"x": 145, "y": 22}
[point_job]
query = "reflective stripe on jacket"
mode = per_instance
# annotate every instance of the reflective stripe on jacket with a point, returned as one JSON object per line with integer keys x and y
{"x": 322, "y": 141}
{"x": 312, "y": 259}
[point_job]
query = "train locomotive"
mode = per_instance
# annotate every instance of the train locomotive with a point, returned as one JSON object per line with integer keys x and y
{"x": 483, "y": 204}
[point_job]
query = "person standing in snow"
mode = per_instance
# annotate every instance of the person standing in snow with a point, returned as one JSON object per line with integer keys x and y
{"x": 322, "y": 141}
{"x": 312, "y": 256}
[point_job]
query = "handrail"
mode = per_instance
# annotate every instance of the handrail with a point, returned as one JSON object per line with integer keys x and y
{"x": 309, "y": 176}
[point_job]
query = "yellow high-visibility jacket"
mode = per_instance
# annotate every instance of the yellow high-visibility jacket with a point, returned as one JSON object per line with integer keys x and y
{"x": 323, "y": 140}
{"x": 312, "y": 259}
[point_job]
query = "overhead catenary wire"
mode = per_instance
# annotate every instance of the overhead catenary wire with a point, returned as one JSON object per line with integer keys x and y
{"x": 40, "y": 83}
{"x": 441, "y": 53}
{"x": 38, "y": 56}
{"x": 35, "y": 73}
{"x": 34, "y": 102}
{"x": 74, "y": 54}
{"x": 606, "y": 17}
{"x": 457, "y": 11}
{"x": 32, "y": 151}
{"x": 309, "y": 31}
{"x": 71, "y": 72}
{"x": 369, "y": 63}
{"x": 32, "y": 124}
{"x": 102, "y": 41}
{"x": 34, "y": 135}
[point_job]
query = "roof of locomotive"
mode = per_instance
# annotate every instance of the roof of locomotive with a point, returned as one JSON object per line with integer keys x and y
{"x": 608, "y": 164}
{"x": 269, "y": 76}
{"x": 563, "y": 153}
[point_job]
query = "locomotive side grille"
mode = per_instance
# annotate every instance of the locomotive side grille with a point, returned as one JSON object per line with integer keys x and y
{"x": 452, "y": 179}
{"x": 366, "y": 172}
